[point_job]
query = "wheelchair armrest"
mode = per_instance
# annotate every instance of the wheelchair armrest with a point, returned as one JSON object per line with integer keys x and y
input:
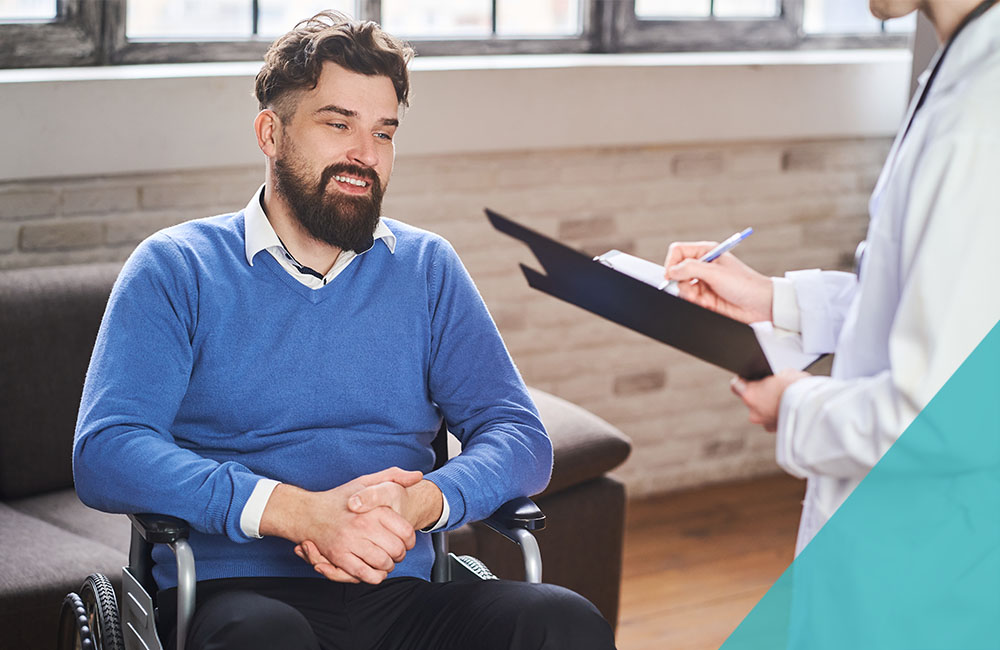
{"x": 515, "y": 520}
{"x": 159, "y": 529}
{"x": 520, "y": 512}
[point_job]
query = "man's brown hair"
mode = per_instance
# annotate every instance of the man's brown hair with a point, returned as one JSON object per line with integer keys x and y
{"x": 295, "y": 61}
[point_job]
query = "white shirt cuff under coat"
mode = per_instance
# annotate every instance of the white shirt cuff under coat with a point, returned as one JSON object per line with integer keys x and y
{"x": 254, "y": 508}
{"x": 784, "y": 306}
{"x": 443, "y": 519}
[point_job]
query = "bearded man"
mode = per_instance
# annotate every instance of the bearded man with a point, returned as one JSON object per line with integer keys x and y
{"x": 275, "y": 377}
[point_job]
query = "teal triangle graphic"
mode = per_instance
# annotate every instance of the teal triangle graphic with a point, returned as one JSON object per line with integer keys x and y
{"x": 912, "y": 559}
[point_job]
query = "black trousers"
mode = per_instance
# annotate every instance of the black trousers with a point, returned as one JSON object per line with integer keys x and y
{"x": 399, "y": 614}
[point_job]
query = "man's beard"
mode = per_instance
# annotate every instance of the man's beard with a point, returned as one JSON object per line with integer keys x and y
{"x": 342, "y": 220}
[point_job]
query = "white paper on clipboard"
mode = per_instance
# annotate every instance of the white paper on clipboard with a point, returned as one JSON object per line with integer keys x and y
{"x": 782, "y": 348}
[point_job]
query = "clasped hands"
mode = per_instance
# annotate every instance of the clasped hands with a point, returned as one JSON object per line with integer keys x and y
{"x": 733, "y": 289}
{"x": 356, "y": 532}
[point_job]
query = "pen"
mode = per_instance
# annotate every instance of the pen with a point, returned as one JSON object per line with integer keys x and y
{"x": 715, "y": 253}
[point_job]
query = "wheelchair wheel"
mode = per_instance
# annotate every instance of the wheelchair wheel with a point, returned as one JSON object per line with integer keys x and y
{"x": 90, "y": 620}
{"x": 74, "y": 632}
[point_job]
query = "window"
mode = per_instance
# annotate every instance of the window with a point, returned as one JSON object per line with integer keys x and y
{"x": 37, "y": 33}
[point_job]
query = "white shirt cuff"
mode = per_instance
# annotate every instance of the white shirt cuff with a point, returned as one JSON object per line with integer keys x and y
{"x": 254, "y": 508}
{"x": 443, "y": 519}
{"x": 784, "y": 306}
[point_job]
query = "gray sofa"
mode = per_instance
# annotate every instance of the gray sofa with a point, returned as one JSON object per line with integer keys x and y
{"x": 49, "y": 541}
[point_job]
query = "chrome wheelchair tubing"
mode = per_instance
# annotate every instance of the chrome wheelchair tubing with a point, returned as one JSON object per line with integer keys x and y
{"x": 532, "y": 556}
{"x": 186, "y": 580}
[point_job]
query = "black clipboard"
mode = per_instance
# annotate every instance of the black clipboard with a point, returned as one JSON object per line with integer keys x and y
{"x": 576, "y": 278}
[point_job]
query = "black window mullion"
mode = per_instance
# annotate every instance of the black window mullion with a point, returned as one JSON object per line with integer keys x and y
{"x": 493, "y": 18}
{"x": 255, "y": 7}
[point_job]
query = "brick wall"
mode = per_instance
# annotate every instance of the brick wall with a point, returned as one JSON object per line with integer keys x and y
{"x": 805, "y": 200}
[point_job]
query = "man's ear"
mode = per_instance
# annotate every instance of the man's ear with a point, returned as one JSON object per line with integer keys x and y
{"x": 266, "y": 126}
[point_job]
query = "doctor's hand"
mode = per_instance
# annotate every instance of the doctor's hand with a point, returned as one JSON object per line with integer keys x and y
{"x": 763, "y": 397}
{"x": 726, "y": 285}
{"x": 344, "y": 546}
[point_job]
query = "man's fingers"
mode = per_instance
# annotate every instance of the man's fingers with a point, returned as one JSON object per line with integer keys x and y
{"x": 392, "y": 544}
{"x": 360, "y": 566}
{"x": 399, "y": 527}
{"x": 308, "y": 551}
{"x": 335, "y": 574}
{"x": 403, "y": 477}
{"x": 384, "y": 494}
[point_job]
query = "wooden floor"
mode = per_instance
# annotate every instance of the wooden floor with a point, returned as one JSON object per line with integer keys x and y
{"x": 697, "y": 562}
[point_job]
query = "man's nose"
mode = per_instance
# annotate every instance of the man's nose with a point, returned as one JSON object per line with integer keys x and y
{"x": 364, "y": 150}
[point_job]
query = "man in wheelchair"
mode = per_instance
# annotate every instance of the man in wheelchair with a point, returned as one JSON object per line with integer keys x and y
{"x": 265, "y": 375}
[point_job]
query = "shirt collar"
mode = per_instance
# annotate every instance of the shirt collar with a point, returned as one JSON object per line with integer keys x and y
{"x": 976, "y": 48}
{"x": 260, "y": 235}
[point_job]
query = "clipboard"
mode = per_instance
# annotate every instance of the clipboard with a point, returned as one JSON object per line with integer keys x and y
{"x": 576, "y": 278}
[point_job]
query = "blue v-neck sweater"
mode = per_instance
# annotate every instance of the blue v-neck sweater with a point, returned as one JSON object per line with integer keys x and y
{"x": 209, "y": 374}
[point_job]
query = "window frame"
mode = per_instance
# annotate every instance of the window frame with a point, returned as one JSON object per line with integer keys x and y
{"x": 92, "y": 32}
{"x": 72, "y": 38}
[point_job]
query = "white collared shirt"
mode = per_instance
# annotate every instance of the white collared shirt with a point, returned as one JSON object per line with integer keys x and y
{"x": 260, "y": 236}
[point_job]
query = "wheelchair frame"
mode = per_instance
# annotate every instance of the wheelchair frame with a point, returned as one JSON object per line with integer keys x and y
{"x": 134, "y": 627}
{"x": 85, "y": 622}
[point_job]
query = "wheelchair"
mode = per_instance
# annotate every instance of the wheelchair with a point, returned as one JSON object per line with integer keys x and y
{"x": 92, "y": 620}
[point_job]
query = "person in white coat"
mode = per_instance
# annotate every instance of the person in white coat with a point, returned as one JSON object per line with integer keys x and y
{"x": 924, "y": 296}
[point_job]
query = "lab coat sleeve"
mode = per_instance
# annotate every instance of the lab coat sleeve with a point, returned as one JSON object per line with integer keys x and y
{"x": 947, "y": 245}
{"x": 814, "y": 303}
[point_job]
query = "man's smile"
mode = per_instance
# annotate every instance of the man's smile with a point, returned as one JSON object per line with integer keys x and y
{"x": 351, "y": 184}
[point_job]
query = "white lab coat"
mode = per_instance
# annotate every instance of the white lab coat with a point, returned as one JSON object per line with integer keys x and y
{"x": 928, "y": 291}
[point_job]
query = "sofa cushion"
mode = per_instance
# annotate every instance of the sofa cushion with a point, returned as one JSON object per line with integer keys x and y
{"x": 39, "y": 564}
{"x": 584, "y": 445}
{"x": 64, "y": 510}
{"x": 48, "y": 323}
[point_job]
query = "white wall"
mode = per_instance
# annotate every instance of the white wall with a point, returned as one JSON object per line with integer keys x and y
{"x": 627, "y": 152}
{"x": 70, "y": 122}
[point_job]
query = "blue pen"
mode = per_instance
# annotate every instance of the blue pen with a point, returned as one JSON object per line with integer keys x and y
{"x": 715, "y": 253}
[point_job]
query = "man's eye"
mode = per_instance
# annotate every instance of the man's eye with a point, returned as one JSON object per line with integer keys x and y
{"x": 337, "y": 125}
{"x": 383, "y": 136}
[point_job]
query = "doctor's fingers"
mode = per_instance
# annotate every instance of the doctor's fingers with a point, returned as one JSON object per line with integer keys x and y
{"x": 683, "y": 250}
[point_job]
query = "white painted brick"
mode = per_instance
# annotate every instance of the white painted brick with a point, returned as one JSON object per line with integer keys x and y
{"x": 225, "y": 194}
{"x": 61, "y": 235}
{"x": 753, "y": 160}
{"x": 99, "y": 200}
{"x": 21, "y": 202}
{"x": 698, "y": 164}
{"x": 23, "y": 260}
{"x": 807, "y": 157}
{"x": 689, "y": 431}
{"x": 8, "y": 237}
{"x": 133, "y": 228}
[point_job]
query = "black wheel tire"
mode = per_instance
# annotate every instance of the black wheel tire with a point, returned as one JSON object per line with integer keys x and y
{"x": 98, "y": 596}
{"x": 74, "y": 630}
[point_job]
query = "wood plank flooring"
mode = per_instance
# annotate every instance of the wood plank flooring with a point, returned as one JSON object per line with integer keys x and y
{"x": 697, "y": 562}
